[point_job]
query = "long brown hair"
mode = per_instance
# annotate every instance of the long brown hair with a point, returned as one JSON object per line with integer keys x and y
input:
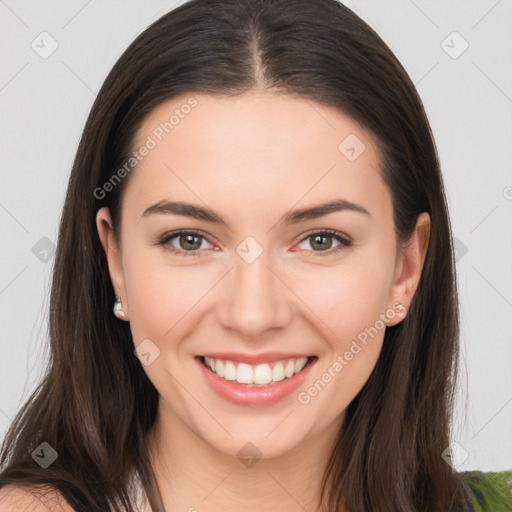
{"x": 95, "y": 404}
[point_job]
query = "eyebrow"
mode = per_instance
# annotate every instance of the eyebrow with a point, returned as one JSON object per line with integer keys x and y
{"x": 293, "y": 217}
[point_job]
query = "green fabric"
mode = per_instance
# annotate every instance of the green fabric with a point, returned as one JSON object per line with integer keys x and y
{"x": 491, "y": 492}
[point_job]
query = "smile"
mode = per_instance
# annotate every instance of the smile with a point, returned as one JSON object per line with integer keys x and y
{"x": 254, "y": 385}
{"x": 256, "y": 375}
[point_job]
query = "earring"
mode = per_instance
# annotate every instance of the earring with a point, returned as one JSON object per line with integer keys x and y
{"x": 118, "y": 308}
{"x": 399, "y": 308}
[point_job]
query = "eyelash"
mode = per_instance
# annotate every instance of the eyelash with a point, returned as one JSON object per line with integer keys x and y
{"x": 344, "y": 242}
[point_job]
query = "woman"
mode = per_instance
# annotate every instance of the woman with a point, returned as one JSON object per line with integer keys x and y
{"x": 301, "y": 353}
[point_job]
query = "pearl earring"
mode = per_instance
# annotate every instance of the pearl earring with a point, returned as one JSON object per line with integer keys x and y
{"x": 118, "y": 308}
{"x": 399, "y": 308}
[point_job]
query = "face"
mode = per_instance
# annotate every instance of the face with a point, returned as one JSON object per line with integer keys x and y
{"x": 259, "y": 271}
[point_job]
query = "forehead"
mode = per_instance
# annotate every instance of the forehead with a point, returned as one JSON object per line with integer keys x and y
{"x": 249, "y": 122}
{"x": 254, "y": 150}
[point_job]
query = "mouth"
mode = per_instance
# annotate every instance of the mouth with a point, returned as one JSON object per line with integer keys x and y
{"x": 261, "y": 375}
{"x": 253, "y": 385}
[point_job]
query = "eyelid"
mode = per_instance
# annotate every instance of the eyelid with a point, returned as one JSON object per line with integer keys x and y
{"x": 344, "y": 241}
{"x": 333, "y": 232}
{"x": 165, "y": 239}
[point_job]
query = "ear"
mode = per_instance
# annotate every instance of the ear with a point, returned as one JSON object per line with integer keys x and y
{"x": 408, "y": 268}
{"x": 112, "y": 252}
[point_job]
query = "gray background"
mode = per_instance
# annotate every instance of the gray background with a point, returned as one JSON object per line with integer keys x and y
{"x": 468, "y": 96}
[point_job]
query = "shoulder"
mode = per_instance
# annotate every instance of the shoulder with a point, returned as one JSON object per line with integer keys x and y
{"x": 36, "y": 498}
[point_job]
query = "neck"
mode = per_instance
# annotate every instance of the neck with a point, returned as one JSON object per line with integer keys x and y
{"x": 194, "y": 476}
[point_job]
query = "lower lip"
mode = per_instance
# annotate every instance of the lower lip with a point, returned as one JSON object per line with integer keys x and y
{"x": 240, "y": 394}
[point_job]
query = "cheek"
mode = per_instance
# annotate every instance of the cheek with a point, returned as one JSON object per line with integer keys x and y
{"x": 162, "y": 301}
{"x": 349, "y": 306}
{"x": 347, "y": 299}
{"x": 161, "y": 296}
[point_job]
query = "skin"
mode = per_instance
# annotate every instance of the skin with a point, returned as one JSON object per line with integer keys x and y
{"x": 251, "y": 159}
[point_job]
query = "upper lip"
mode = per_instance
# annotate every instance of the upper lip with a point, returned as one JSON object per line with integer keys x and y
{"x": 265, "y": 357}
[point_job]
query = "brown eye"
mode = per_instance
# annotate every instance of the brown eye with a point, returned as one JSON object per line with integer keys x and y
{"x": 187, "y": 243}
{"x": 321, "y": 242}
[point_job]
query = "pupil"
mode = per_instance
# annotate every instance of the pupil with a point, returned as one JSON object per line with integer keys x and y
{"x": 320, "y": 237}
{"x": 189, "y": 239}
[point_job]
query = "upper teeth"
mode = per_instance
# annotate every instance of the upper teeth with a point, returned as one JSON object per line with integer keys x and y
{"x": 256, "y": 374}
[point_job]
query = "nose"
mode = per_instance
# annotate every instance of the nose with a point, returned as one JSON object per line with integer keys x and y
{"x": 256, "y": 299}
